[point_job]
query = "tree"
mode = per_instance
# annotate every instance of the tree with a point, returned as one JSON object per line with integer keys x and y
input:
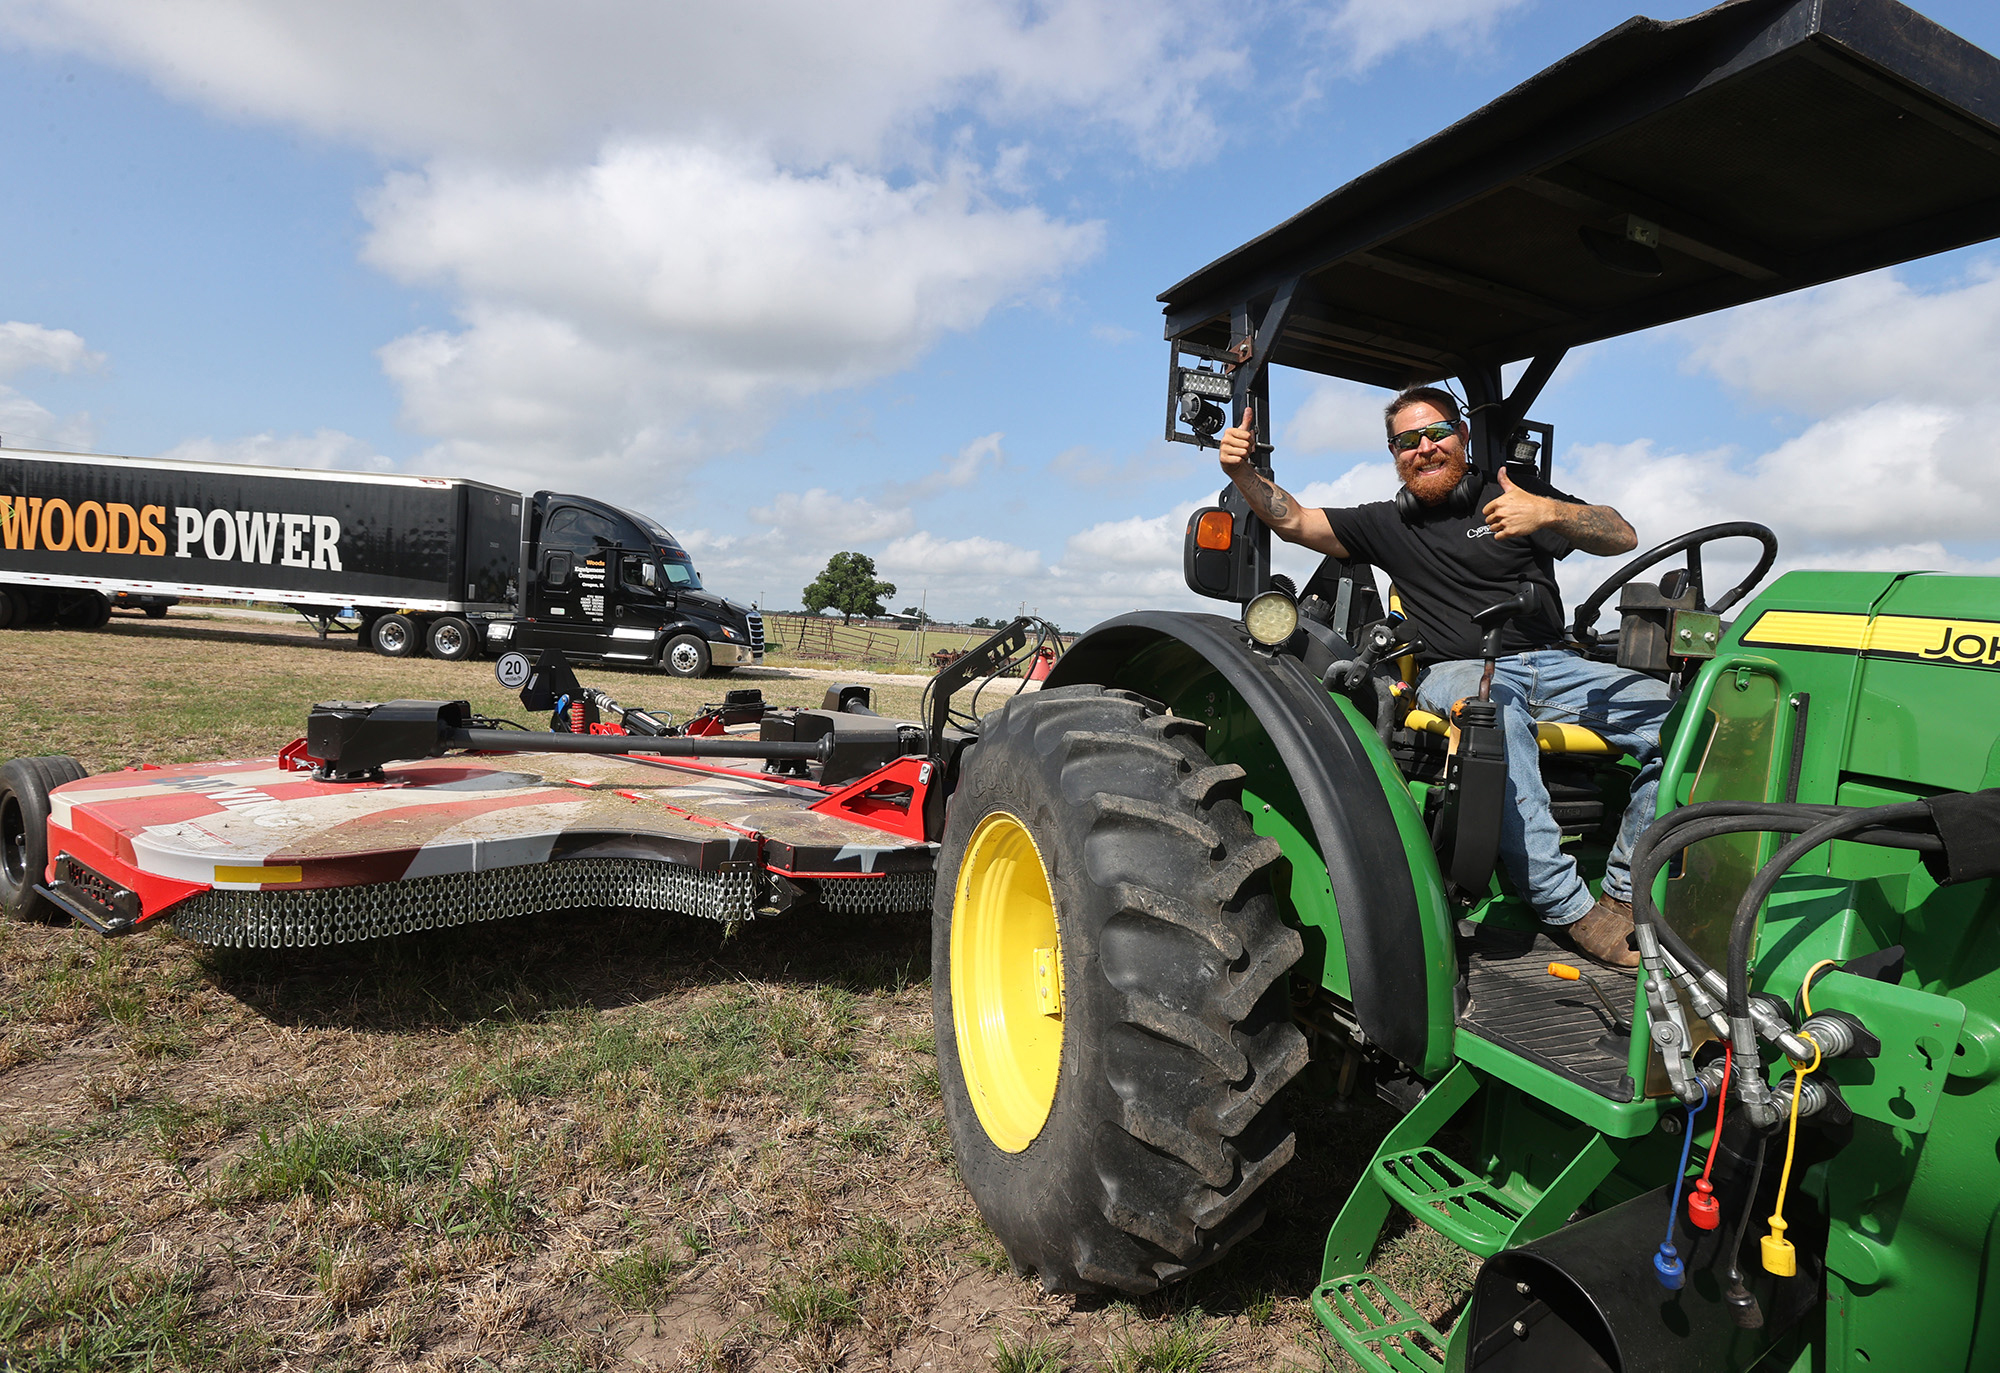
{"x": 982, "y": 623}
{"x": 848, "y": 585}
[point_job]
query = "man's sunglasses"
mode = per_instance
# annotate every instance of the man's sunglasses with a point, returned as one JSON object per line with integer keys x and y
{"x": 1410, "y": 438}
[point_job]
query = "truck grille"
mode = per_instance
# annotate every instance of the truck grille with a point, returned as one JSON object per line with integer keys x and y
{"x": 756, "y": 633}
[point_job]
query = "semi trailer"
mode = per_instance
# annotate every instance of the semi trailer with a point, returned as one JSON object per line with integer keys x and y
{"x": 413, "y": 564}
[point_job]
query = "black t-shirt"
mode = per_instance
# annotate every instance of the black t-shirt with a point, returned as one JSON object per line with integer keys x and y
{"x": 1446, "y": 567}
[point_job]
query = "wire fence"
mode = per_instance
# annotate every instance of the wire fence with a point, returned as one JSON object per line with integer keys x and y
{"x": 824, "y": 639}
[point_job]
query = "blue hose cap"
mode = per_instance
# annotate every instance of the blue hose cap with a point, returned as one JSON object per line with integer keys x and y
{"x": 1667, "y": 1263}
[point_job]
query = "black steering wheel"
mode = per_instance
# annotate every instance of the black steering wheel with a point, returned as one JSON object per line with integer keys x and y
{"x": 1690, "y": 542}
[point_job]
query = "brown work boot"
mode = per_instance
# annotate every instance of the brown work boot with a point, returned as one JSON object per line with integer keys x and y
{"x": 1604, "y": 935}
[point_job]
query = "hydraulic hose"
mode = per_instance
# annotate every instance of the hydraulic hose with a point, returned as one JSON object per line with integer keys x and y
{"x": 1745, "y": 921}
{"x": 686, "y": 746}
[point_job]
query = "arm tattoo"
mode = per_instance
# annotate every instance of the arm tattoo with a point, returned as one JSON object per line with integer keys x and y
{"x": 1593, "y": 527}
{"x": 1270, "y": 500}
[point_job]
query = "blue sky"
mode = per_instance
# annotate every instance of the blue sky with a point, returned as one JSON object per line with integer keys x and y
{"x": 796, "y": 280}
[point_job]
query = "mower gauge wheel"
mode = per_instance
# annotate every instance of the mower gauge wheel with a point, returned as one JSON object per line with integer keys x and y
{"x": 1690, "y": 543}
{"x": 25, "y": 785}
{"x": 1108, "y": 984}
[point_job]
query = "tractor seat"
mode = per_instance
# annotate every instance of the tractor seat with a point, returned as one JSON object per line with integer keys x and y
{"x": 1550, "y": 736}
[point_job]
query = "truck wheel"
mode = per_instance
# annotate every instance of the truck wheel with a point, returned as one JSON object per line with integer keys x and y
{"x": 685, "y": 656}
{"x": 25, "y": 784}
{"x": 155, "y": 612}
{"x": 451, "y": 639}
{"x": 1108, "y": 987}
{"x": 9, "y": 607}
{"x": 395, "y": 636}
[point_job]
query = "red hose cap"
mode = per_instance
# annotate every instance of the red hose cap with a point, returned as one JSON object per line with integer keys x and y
{"x": 1703, "y": 1213}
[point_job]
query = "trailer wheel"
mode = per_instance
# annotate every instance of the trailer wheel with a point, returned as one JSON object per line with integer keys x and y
{"x": 155, "y": 612}
{"x": 83, "y": 610}
{"x": 395, "y": 636}
{"x": 451, "y": 639}
{"x": 685, "y": 656}
{"x": 25, "y": 784}
{"x": 1108, "y": 987}
{"x": 9, "y": 607}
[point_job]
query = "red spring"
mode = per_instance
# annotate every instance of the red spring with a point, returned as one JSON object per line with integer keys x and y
{"x": 576, "y": 717}
{"x": 1703, "y": 1212}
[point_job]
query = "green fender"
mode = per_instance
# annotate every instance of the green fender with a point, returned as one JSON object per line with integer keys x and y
{"x": 1266, "y": 712}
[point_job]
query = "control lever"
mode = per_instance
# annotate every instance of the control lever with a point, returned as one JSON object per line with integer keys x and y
{"x": 1494, "y": 620}
{"x": 1379, "y": 641}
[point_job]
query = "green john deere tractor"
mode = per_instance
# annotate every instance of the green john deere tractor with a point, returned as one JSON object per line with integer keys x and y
{"x": 1213, "y": 848}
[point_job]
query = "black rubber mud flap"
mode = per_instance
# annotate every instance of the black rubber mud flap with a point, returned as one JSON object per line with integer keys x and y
{"x": 1175, "y": 1032}
{"x": 25, "y": 784}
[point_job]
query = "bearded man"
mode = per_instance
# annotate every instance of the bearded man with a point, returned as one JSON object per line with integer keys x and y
{"x": 1454, "y": 544}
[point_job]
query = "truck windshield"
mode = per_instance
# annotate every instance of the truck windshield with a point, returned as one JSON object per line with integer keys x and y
{"x": 677, "y": 570}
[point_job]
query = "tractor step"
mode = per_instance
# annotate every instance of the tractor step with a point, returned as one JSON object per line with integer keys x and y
{"x": 1480, "y": 1214}
{"x": 1380, "y": 1331}
{"x": 1465, "y": 1208}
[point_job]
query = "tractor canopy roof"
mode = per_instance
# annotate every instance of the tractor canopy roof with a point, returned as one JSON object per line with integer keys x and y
{"x": 1662, "y": 171}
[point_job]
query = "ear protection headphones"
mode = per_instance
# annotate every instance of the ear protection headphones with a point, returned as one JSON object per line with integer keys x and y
{"x": 1459, "y": 502}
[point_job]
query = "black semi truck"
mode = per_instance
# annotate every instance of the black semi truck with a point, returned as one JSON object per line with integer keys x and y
{"x": 417, "y": 564}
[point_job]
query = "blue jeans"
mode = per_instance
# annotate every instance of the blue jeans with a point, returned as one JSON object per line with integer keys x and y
{"x": 1626, "y": 708}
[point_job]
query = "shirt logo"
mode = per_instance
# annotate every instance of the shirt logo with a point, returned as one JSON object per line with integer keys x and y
{"x": 1481, "y": 532}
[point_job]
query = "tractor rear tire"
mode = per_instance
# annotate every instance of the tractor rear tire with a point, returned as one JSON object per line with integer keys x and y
{"x": 1118, "y": 1141}
{"x": 25, "y": 784}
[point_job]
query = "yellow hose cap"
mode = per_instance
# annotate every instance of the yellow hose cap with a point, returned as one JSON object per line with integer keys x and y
{"x": 1779, "y": 1255}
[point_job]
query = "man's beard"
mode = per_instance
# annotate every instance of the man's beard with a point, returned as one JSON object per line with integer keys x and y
{"x": 1431, "y": 488}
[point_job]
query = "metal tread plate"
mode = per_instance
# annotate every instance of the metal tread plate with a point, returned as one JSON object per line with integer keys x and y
{"x": 1513, "y": 1002}
{"x": 1376, "y": 1328}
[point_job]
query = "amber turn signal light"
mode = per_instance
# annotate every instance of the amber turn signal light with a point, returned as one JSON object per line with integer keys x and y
{"x": 1214, "y": 529}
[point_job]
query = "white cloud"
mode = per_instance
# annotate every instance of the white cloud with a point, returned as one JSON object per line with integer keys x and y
{"x": 1370, "y": 30}
{"x": 926, "y": 554}
{"x": 27, "y": 424}
{"x": 23, "y": 346}
{"x": 660, "y": 302}
{"x": 1337, "y": 417}
{"x": 1156, "y": 464}
{"x": 24, "y": 422}
{"x": 1851, "y": 342}
{"x": 953, "y": 473}
{"x": 516, "y": 80}
{"x": 807, "y": 519}
{"x": 323, "y": 450}
{"x": 1895, "y": 472}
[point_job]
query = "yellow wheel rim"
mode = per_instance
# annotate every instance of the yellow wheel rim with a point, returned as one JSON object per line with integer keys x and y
{"x": 1006, "y": 982}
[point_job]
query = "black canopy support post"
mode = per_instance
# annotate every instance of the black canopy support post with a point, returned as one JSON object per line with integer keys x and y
{"x": 1486, "y": 406}
{"x": 1514, "y": 413}
{"x": 1253, "y": 336}
{"x": 1529, "y": 387}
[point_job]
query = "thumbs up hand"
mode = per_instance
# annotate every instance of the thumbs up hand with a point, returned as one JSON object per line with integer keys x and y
{"x": 1515, "y": 513}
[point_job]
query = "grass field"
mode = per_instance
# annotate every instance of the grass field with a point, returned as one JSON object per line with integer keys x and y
{"x": 595, "y": 1141}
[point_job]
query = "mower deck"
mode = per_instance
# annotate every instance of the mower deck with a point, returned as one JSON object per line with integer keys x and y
{"x": 261, "y": 852}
